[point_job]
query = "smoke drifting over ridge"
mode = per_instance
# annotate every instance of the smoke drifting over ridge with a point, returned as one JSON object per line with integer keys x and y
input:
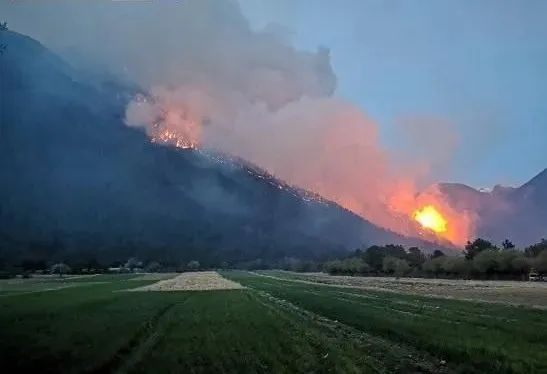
{"x": 249, "y": 94}
{"x": 214, "y": 82}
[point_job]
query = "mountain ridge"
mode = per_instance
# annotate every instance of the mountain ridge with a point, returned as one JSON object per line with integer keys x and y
{"x": 515, "y": 213}
{"x": 75, "y": 181}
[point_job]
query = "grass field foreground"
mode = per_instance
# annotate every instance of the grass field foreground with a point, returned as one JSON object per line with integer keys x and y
{"x": 99, "y": 327}
{"x": 272, "y": 325}
{"x": 470, "y": 336}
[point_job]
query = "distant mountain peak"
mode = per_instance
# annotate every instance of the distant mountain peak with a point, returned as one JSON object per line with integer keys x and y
{"x": 539, "y": 180}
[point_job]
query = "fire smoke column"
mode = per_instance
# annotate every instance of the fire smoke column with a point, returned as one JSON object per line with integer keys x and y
{"x": 214, "y": 82}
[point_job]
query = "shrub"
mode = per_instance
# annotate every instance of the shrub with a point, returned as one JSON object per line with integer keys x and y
{"x": 193, "y": 265}
{"x": 512, "y": 262}
{"x": 540, "y": 262}
{"x": 520, "y": 264}
{"x": 133, "y": 263}
{"x": 60, "y": 268}
{"x": 454, "y": 265}
{"x": 153, "y": 267}
{"x": 535, "y": 249}
{"x": 486, "y": 261}
{"x": 479, "y": 245}
{"x": 349, "y": 266}
{"x": 6, "y": 275}
{"x": 396, "y": 266}
{"x": 437, "y": 253}
{"x": 434, "y": 266}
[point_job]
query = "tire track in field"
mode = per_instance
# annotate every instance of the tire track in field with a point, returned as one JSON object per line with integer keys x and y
{"x": 144, "y": 339}
{"x": 457, "y": 317}
{"x": 465, "y": 317}
{"x": 383, "y": 355}
{"x": 288, "y": 314}
{"x": 496, "y": 357}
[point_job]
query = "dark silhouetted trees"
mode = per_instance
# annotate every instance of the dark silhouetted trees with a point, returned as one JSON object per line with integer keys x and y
{"x": 193, "y": 265}
{"x": 437, "y": 253}
{"x": 535, "y": 249}
{"x": 478, "y": 245}
{"x": 60, "y": 268}
{"x": 348, "y": 266}
{"x": 507, "y": 244}
{"x": 481, "y": 259}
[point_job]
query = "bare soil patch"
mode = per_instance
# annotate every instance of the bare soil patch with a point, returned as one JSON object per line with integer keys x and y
{"x": 194, "y": 281}
{"x": 506, "y": 292}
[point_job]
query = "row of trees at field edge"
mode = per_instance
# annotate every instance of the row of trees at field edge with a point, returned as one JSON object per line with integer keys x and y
{"x": 481, "y": 259}
{"x": 28, "y": 268}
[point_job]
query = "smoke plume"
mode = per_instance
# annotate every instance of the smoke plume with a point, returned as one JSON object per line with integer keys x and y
{"x": 213, "y": 82}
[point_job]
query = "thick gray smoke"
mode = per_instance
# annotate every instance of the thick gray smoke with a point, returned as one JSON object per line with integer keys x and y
{"x": 220, "y": 84}
{"x": 214, "y": 82}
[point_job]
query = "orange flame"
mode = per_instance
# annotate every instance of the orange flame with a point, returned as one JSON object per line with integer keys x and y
{"x": 430, "y": 218}
{"x": 177, "y": 127}
{"x": 433, "y": 213}
{"x": 170, "y": 137}
{"x": 394, "y": 202}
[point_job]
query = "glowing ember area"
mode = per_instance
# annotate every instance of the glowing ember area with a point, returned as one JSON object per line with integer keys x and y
{"x": 171, "y": 137}
{"x": 178, "y": 127}
{"x": 430, "y": 218}
{"x": 332, "y": 153}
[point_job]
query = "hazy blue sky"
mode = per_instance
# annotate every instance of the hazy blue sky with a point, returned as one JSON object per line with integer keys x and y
{"x": 479, "y": 65}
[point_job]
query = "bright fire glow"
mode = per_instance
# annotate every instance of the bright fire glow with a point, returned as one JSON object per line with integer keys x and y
{"x": 177, "y": 127}
{"x": 429, "y": 217}
{"x": 170, "y": 137}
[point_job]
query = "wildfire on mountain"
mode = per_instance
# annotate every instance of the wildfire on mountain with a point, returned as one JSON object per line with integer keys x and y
{"x": 171, "y": 137}
{"x": 340, "y": 163}
{"x": 430, "y": 218}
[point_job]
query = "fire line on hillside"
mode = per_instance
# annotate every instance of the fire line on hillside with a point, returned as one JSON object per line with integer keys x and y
{"x": 426, "y": 215}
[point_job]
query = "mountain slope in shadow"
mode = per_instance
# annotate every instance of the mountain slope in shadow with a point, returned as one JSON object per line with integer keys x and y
{"x": 75, "y": 182}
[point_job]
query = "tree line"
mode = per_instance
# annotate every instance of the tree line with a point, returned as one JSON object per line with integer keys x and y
{"x": 27, "y": 268}
{"x": 481, "y": 259}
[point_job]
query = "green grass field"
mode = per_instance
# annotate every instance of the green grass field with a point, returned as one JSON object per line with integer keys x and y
{"x": 275, "y": 325}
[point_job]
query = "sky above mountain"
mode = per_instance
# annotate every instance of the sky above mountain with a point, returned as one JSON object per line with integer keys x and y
{"x": 478, "y": 69}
